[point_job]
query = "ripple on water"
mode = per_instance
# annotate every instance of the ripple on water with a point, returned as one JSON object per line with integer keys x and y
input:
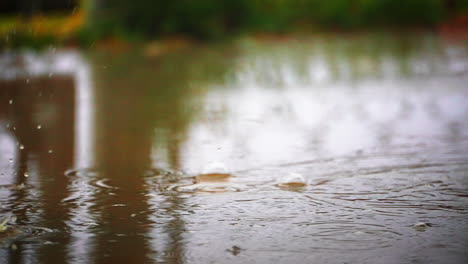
{"x": 351, "y": 236}
{"x": 88, "y": 176}
{"x": 95, "y": 177}
{"x": 208, "y": 183}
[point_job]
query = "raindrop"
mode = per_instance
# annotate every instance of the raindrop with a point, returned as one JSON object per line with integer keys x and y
{"x": 291, "y": 181}
{"x": 215, "y": 167}
{"x": 421, "y": 226}
{"x": 11, "y": 101}
{"x": 39, "y": 126}
{"x": 21, "y": 147}
{"x": 14, "y": 128}
{"x": 26, "y": 174}
{"x": 50, "y": 151}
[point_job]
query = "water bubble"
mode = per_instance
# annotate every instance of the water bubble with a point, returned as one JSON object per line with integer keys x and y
{"x": 39, "y": 126}
{"x": 291, "y": 181}
{"x": 215, "y": 167}
{"x": 421, "y": 226}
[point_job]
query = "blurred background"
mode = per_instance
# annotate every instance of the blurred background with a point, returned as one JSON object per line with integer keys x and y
{"x": 41, "y": 22}
{"x": 233, "y": 131}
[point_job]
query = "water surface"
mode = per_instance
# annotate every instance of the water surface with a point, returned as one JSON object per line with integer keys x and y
{"x": 116, "y": 152}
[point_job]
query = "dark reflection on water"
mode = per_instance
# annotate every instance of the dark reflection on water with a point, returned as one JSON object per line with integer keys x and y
{"x": 330, "y": 150}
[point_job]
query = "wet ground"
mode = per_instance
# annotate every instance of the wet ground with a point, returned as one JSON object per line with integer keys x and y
{"x": 328, "y": 149}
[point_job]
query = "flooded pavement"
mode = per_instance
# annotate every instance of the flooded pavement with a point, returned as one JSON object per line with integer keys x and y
{"x": 317, "y": 150}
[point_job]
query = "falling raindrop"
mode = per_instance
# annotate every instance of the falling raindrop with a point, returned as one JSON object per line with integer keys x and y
{"x": 26, "y": 174}
{"x": 21, "y": 147}
{"x": 14, "y": 128}
{"x": 39, "y": 126}
{"x": 11, "y": 101}
{"x": 50, "y": 151}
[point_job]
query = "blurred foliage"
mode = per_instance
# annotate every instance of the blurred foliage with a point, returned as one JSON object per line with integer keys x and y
{"x": 214, "y": 19}
{"x": 39, "y": 31}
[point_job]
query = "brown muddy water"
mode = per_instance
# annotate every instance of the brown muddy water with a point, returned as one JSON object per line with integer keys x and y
{"x": 319, "y": 150}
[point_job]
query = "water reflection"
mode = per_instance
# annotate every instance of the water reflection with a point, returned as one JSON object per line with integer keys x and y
{"x": 334, "y": 148}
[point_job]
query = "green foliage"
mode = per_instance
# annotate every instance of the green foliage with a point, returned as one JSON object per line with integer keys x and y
{"x": 358, "y": 13}
{"x": 203, "y": 18}
{"x": 217, "y": 18}
{"x": 27, "y": 40}
{"x": 214, "y": 19}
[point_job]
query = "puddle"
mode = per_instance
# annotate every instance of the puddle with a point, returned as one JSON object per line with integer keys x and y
{"x": 323, "y": 150}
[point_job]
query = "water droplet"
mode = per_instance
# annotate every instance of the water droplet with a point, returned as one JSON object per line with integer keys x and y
{"x": 26, "y": 174}
{"x": 39, "y": 126}
{"x": 291, "y": 181}
{"x": 21, "y": 147}
{"x": 14, "y": 128}
{"x": 421, "y": 226}
{"x": 11, "y": 101}
{"x": 215, "y": 167}
{"x": 50, "y": 151}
